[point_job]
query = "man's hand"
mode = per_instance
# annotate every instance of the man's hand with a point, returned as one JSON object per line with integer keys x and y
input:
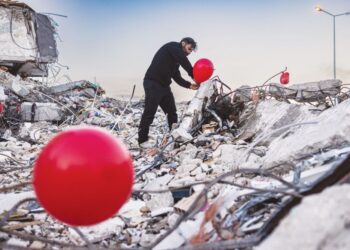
{"x": 194, "y": 86}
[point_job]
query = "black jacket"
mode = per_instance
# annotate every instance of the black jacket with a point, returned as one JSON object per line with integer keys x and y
{"x": 165, "y": 65}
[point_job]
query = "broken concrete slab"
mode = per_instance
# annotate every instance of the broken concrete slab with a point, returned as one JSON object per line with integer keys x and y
{"x": 161, "y": 200}
{"x": 229, "y": 156}
{"x": 193, "y": 113}
{"x": 70, "y": 86}
{"x": 41, "y": 112}
{"x": 332, "y": 130}
{"x": 16, "y": 84}
{"x": 271, "y": 115}
{"x": 306, "y": 92}
{"x": 321, "y": 221}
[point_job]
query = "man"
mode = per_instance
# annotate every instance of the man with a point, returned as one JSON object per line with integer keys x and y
{"x": 163, "y": 68}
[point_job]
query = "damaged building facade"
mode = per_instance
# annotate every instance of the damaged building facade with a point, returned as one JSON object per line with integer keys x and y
{"x": 257, "y": 167}
{"x": 27, "y": 40}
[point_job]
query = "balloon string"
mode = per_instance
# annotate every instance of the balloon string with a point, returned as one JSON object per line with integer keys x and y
{"x": 274, "y": 76}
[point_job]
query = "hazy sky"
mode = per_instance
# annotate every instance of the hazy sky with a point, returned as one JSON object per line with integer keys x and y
{"x": 248, "y": 41}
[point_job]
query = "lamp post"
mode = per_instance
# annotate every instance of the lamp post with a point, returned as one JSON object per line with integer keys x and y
{"x": 334, "y": 16}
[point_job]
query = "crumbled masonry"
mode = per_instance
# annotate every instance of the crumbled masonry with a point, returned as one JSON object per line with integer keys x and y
{"x": 257, "y": 167}
{"x": 219, "y": 182}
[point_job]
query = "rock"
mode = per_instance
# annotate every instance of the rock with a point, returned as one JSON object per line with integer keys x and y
{"x": 172, "y": 219}
{"x": 160, "y": 200}
{"x": 229, "y": 155}
{"x": 185, "y": 203}
{"x": 147, "y": 239}
{"x": 202, "y": 140}
{"x": 189, "y": 153}
{"x": 132, "y": 209}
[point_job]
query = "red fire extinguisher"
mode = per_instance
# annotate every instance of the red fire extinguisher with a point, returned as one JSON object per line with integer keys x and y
{"x": 284, "y": 77}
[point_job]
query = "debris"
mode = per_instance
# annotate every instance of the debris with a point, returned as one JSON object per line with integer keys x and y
{"x": 306, "y": 92}
{"x": 185, "y": 203}
{"x": 40, "y": 112}
{"x": 193, "y": 114}
{"x": 241, "y": 158}
{"x": 324, "y": 218}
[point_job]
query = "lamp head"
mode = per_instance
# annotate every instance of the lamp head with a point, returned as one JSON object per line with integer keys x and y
{"x": 318, "y": 8}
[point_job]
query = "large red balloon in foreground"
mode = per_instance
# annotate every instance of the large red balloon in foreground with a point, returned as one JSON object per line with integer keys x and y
{"x": 83, "y": 176}
{"x": 202, "y": 70}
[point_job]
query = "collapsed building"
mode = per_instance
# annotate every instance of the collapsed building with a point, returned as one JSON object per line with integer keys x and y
{"x": 27, "y": 38}
{"x": 257, "y": 167}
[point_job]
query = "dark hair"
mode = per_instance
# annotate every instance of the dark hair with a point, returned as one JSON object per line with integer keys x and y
{"x": 189, "y": 40}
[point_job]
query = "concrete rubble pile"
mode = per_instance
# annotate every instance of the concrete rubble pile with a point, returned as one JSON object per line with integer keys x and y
{"x": 243, "y": 169}
{"x": 214, "y": 181}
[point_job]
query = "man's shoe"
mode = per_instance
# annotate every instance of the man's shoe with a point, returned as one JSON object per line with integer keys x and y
{"x": 146, "y": 145}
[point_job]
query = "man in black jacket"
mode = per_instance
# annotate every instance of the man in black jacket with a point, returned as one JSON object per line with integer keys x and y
{"x": 164, "y": 67}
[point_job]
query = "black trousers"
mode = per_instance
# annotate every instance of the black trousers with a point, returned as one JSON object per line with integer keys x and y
{"x": 156, "y": 95}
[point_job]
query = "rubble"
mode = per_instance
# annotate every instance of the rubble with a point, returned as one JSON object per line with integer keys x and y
{"x": 320, "y": 222}
{"x": 306, "y": 92}
{"x": 193, "y": 113}
{"x": 178, "y": 185}
{"x": 35, "y": 112}
{"x": 224, "y": 177}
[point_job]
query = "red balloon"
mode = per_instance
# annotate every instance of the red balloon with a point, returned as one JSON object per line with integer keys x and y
{"x": 202, "y": 70}
{"x": 284, "y": 79}
{"x": 83, "y": 176}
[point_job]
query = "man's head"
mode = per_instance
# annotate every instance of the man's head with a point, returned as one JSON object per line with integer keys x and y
{"x": 188, "y": 45}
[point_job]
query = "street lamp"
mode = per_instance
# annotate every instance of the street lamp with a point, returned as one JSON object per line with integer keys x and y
{"x": 319, "y": 9}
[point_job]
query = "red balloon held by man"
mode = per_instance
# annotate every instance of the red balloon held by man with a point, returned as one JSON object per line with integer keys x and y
{"x": 83, "y": 176}
{"x": 202, "y": 70}
{"x": 284, "y": 79}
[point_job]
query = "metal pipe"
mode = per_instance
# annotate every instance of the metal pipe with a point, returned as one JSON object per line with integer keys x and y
{"x": 334, "y": 61}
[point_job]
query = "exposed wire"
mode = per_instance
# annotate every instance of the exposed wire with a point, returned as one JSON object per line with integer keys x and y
{"x": 13, "y": 209}
{"x": 5, "y": 189}
{"x": 53, "y": 14}
{"x": 127, "y": 106}
{"x": 274, "y": 76}
{"x": 194, "y": 204}
{"x": 14, "y": 160}
{"x": 55, "y": 101}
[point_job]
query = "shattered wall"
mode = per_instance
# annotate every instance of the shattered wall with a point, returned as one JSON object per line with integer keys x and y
{"x": 27, "y": 42}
